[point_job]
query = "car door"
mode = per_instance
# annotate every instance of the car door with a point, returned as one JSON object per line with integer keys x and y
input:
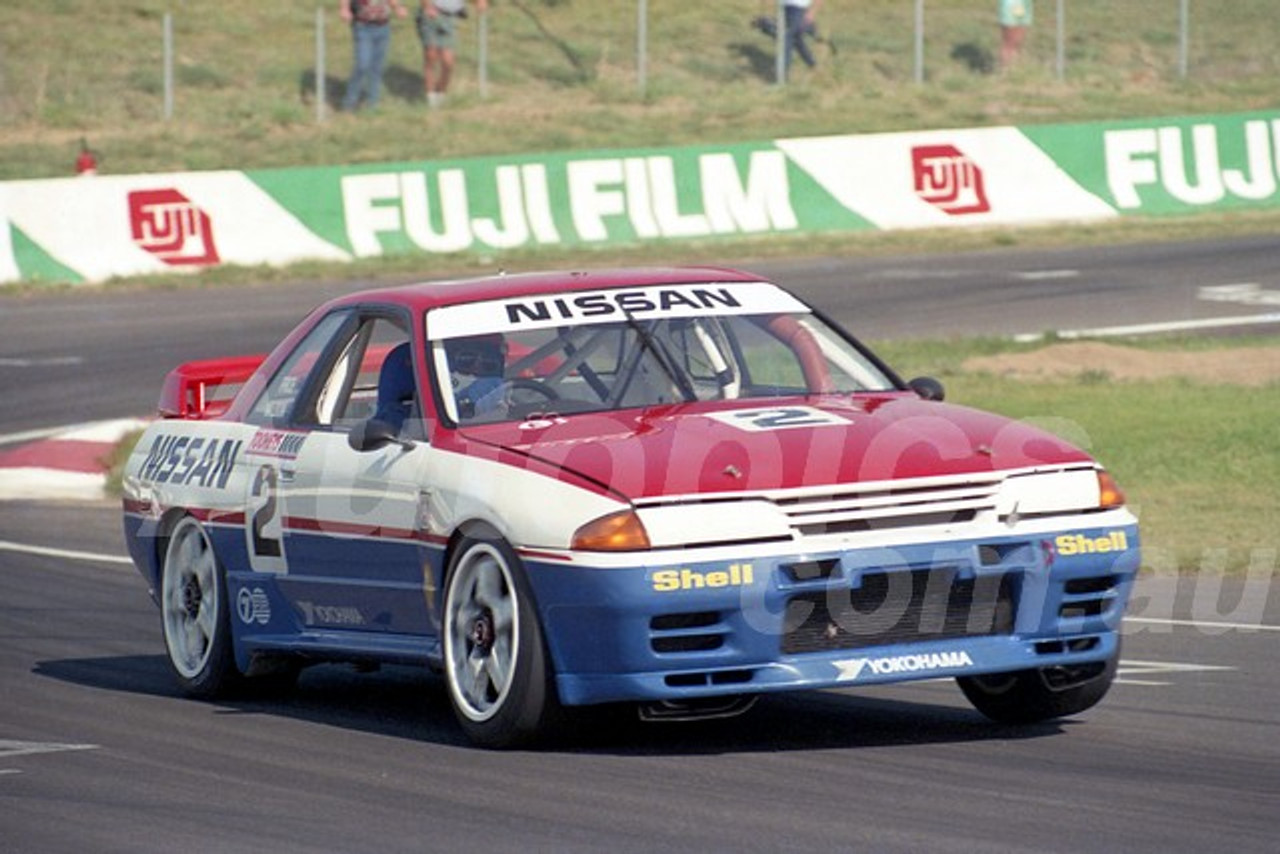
{"x": 340, "y": 527}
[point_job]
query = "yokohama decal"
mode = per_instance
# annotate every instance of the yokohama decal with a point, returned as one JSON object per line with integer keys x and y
{"x": 170, "y": 226}
{"x": 851, "y": 668}
{"x": 949, "y": 180}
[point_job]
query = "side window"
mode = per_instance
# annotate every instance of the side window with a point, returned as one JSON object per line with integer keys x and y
{"x": 341, "y": 373}
{"x": 372, "y": 376}
{"x": 275, "y": 406}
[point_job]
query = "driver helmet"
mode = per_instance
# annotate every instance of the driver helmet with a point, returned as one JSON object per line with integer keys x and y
{"x": 476, "y": 364}
{"x": 476, "y": 355}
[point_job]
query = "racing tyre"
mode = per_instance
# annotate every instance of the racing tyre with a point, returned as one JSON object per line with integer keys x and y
{"x": 495, "y": 659}
{"x": 1031, "y": 696}
{"x": 194, "y": 613}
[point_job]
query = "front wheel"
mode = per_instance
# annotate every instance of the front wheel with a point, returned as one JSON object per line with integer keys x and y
{"x": 495, "y": 660}
{"x": 193, "y": 609}
{"x": 1041, "y": 694}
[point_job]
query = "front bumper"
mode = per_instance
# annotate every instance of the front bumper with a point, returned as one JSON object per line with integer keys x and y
{"x": 752, "y": 622}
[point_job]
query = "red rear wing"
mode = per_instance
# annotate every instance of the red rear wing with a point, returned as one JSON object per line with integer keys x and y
{"x": 205, "y": 389}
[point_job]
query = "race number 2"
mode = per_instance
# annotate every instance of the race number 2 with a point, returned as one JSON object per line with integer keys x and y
{"x": 265, "y": 528}
{"x": 779, "y": 418}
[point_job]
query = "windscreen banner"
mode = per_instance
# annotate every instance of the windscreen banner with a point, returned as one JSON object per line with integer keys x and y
{"x": 90, "y": 229}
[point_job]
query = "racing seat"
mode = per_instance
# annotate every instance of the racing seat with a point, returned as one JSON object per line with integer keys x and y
{"x": 395, "y": 387}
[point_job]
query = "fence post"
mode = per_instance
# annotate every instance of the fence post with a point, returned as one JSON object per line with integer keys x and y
{"x": 168, "y": 66}
{"x": 1061, "y": 51}
{"x": 642, "y": 44}
{"x": 482, "y": 36}
{"x": 1184, "y": 36}
{"x": 320, "y": 66}
{"x": 780, "y": 60}
{"x": 919, "y": 42}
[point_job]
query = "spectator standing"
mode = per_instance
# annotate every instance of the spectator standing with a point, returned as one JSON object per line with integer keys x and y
{"x": 1015, "y": 18}
{"x": 370, "y": 36}
{"x": 438, "y": 30}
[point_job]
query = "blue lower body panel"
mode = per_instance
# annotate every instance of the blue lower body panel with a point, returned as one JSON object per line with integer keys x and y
{"x": 823, "y": 620}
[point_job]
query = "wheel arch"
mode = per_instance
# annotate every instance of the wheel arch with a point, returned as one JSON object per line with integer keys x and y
{"x": 469, "y": 529}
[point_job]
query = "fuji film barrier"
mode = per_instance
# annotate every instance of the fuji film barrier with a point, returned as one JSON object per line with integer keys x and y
{"x": 90, "y": 229}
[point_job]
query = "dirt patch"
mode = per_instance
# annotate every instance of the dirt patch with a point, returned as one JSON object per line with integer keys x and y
{"x": 1247, "y": 366}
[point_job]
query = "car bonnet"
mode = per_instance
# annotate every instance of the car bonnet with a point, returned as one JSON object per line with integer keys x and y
{"x": 738, "y": 446}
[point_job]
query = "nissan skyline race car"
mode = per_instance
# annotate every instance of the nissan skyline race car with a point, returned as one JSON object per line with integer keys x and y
{"x": 673, "y": 488}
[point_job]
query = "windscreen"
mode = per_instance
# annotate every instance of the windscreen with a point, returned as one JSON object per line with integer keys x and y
{"x": 596, "y": 352}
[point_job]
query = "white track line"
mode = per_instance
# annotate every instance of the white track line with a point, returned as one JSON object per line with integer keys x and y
{"x": 1205, "y": 624}
{"x": 31, "y": 435}
{"x": 1155, "y": 328}
{"x": 110, "y": 430}
{"x": 69, "y": 554}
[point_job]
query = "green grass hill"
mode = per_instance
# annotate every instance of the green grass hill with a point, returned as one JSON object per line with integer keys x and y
{"x": 564, "y": 74}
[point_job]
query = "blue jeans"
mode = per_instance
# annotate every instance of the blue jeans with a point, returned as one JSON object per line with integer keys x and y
{"x": 796, "y": 32}
{"x": 370, "y": 42}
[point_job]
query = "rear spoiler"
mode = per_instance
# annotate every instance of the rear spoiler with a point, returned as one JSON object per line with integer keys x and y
{"x": 204, "y": 389}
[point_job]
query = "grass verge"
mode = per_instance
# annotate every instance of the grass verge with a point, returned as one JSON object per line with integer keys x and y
{"x": 563, "y": 75}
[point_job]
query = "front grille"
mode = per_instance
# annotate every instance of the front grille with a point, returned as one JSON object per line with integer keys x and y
{"x": 899, "y": 607}
{"x": 857, "y": 507}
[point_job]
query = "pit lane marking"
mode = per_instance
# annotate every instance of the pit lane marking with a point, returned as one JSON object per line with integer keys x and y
{"x": 10, "y": 749}
{"x": 50, "y": 361}
{"x": 1245, "y": 294}
{"x": 1046, "y": 275}
{"x": 1205, "y": 624}
{"x": 1130, "y": 668}
{"x": 1155, "y": 328}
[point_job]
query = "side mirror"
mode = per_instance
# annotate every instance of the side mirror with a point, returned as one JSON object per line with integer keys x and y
{"x": 928, "y": 388}
{"x": 373, "y": 434}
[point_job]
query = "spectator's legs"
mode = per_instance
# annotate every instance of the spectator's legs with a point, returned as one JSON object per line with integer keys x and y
{"x": 430, "y": 64}
{"x": 795, "y": 37}
{"x": 370, "y": 42}
{"x": 802, "y": 46}
{"x": 379, "y": 41}
{"x": 437, "y": 69}
{"x": 359, "y": 59}
{"x": 438, "y": 58}
{"x": 447, "y": 57}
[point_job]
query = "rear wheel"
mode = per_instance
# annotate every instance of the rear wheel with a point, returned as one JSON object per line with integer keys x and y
{"x": 495, "y": 660}
{"x": 1031, "y": 696}
{"x": 193, "y": 608}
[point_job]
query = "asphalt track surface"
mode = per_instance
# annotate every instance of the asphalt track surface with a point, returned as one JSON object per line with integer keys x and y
{"x": 99, "y": 753}
{"x": 104, "y": 354}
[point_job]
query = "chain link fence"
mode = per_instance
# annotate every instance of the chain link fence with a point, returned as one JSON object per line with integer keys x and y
{"x": 925, "y": 40}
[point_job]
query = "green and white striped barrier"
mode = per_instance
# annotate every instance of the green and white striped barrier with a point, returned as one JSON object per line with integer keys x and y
{"x": 89, "y": 229}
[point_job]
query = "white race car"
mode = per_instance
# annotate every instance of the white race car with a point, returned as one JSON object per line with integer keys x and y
{"x": 678, "y": 488}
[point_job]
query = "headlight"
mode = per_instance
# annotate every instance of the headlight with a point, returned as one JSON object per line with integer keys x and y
{"x": 1050, "y": 493}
